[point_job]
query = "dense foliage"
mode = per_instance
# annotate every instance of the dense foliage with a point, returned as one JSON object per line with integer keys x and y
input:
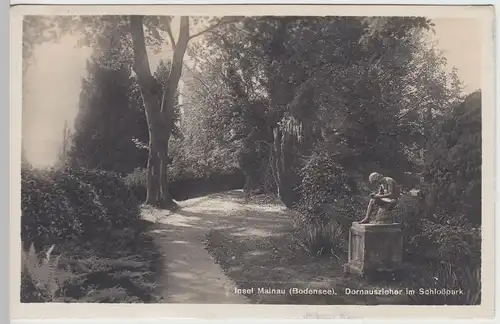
{"x": 90, "y": 221}
{"x": 453, "y": 165}
{"x": 111, "y": 190}
{"x": 109, "y": 96}
{"x": 279, "y": 86}
{"x": 47, "y": 213}
{"x": 84, "y": 199}
{"x": 444, "y": 224}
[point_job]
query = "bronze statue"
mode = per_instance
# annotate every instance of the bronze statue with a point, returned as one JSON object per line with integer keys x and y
{"x": 385, "y": 199}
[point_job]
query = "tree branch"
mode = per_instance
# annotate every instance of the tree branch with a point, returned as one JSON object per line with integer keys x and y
{"x": 172, "y": 40}
{"x": 178, "y": 57}
{"x": 221, "y": 22}
{"x": 219, "y": 71}
{"x": 176, "y": 68}
{"x": 141, "y": 61}
{"x": 201, "y": 82}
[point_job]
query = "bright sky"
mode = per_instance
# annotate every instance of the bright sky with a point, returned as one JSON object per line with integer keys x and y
{"x": 52, "y": 84}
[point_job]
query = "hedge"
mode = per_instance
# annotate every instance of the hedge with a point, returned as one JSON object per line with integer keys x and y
{"x": 47, "y": 213}
{"x": 85, "y": 200}
{"x": 188, "y": 185}
{"x": 123, "y": 208}
{"x": 58, "y": 205}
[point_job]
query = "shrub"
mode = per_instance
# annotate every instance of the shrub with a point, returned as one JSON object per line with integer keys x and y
{"x": 453, "y": 165}
{"x": 429, "y": 237}
{"x": 410, "y": 212}
{"x": 84, "y": 200}
{"x": 47, "y": 214}
{"x": 321, "y": 238}
{"x": 123, "y": 208}
{"x": 110, "y": 295}
{"x": 327, "y": 207}
{"x": 188, "y": 183}
{"x": 41, "y": 278}
{"x": 323, "y": 182}
{"x": 115, "y": 262}
{"x": 453, "y": 244}
{"x": 120, "y": 267}
{"x": 86, "y": 278}
{"x": 136, "y": 182}
{"x": 468, "y": 279}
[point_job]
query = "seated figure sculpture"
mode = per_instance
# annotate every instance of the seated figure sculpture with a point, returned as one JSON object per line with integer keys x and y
{"x": 383, "y": 201}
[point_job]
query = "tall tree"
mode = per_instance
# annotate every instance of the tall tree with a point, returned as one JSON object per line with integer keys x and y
{"x": 160, "y": 113}
{"x": 337, "y": 80}
{"x": 158, "y": 101}
{"x": 65, "y": 145}
{"x": 109, "y": 119}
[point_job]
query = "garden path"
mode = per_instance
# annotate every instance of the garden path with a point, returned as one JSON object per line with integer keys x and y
{"x": 190, "y": 274}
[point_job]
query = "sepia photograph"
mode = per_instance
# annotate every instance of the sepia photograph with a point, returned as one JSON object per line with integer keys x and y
{"x": 237, "y": 158}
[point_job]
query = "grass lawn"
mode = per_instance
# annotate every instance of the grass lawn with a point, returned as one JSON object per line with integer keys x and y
{"x": 277, "y": 262}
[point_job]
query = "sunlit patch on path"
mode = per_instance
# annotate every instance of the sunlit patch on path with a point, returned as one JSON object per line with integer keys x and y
{"x": 190, "y": 274}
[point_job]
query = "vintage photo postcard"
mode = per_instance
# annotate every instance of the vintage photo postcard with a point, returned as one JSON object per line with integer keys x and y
{"x": 216, "y": 161}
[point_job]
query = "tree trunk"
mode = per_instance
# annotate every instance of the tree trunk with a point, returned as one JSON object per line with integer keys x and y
{"x": 150, "y": 93}
{"x": 153, "y": 181}
{"x": 282, "y": 157}
{"x": 164, "y": 198}
{"x": 159, "y": 113}
{"x": 277, "y": 158}
{"x": 287, "y": 180}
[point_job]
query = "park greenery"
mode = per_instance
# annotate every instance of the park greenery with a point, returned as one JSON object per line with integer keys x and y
{"x": 303, "y": 108}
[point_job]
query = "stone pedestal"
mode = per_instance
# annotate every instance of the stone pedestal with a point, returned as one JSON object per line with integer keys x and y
{"x": 374, "y": 248}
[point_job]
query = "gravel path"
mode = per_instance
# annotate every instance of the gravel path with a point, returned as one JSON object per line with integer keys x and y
{"x": 189, "y": 274}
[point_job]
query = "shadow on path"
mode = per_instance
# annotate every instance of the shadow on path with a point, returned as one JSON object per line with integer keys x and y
{"x": 190, "y": 275}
